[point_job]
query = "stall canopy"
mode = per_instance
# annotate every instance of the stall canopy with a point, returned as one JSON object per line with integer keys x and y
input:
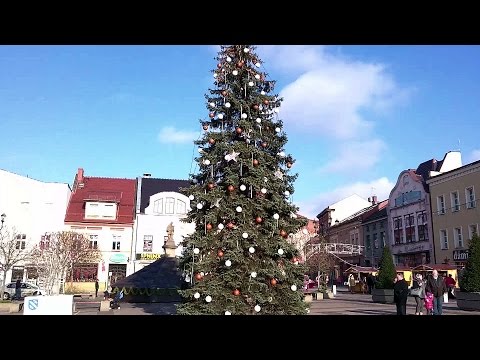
{"x": 361, "y": 270}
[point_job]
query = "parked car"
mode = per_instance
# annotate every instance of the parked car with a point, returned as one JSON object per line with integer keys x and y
{"x": 26, "y": 290}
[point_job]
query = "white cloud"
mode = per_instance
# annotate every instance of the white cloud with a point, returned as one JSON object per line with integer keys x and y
{"x": 173, "y": 136}
{"x": 355, "y": 156}
{"x": 473, "y": 156}
{"x": 380, "y": 187}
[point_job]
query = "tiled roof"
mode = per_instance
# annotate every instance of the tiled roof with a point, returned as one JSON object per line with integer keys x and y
{"x": 152, "y": 186}
{"x": 377, "y": 215}
{"x": 357, "y": 214}
{"x": 121, "y": 191}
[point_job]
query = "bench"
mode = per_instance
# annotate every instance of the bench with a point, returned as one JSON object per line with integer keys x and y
{"x": 312, "y": 294}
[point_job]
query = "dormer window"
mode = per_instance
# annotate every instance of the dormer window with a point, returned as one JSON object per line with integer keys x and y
{"x": 100, "y": 210}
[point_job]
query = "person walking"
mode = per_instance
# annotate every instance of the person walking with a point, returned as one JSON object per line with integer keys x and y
{"x": 370, "y": 283}
{"x": 450, "y": 282}
{"x": 418, "y": 292}
{"x": 400, "y": 294}
{"x": 18, "y": 289}
{"x": 351, "y": 283}
{"x": 96, "y": 288}
{"x": 436, "y": 285}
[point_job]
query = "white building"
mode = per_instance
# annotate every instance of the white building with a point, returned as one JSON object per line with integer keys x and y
{"x": 158, "y": 204}
{"x": 33, "y": 209}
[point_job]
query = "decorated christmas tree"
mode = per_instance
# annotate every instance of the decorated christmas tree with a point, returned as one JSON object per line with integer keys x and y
{"x": 238, "y": 261}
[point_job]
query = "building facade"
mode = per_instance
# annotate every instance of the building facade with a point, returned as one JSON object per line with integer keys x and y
{"x": 375, "y": 232}
{"x": 103, "y": 209}
{"x": 33, "y": 210}
{"x": 455, "y": 212}
{"x": 159, "y": 204}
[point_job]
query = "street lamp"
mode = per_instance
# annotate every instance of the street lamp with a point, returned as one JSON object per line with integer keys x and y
{"x": 3, "y": 216}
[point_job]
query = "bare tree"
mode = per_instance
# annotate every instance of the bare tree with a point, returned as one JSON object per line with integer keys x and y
{"x": 318, "y": 259}
{"x": 60, "y": 254}
{"x": 13, "y": 250}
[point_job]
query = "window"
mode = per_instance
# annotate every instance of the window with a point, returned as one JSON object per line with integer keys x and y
{"x": 356, "y": 238}
{"x": 158, "y": 206}
{"x": 381, "y": 224}
{"x": 472, "y": 229}
{"x": 84, "y": 273}
{"x": 398, "y": 230}
{"x": 455, "y": 201}
{"x": 147, "y": 243}
{"x": 367, "y": 242}
{"x": 116, "y": 242}
{"x": 422, "y": 226}
{"x": 382, "y": 239}
{"x": 98, "y": 210}
{"x": 181, "y": 207}
{"x": 458, "y": 237}
{"x": 470, "y": 197}
{"x": 410, "y": 228}
{"x": 21, "y": 240}
{"x": 169, "y": 205}
{"x": 45, "y": 242}
{"x": 374, "y": 226}
{"x": 375, "y": 240}
{"x": 440, "y": 205}
{"x": 93, "y": 241}
{"x": 443, "y": 239}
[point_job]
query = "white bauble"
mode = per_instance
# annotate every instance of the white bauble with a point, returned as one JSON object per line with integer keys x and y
{"x": 257, "y": 77}
{"x": 293, "y": 287}
{"x": 229, "y": 59}
{"x": 220, "y": 226}
{"x": 277, "y": 129}
{"x": 245, "y": 235}
{"x": 228, "y": 263}
{"x": 208, "y": 299}
{"x": 276, "y": 110}
{"x": 200, "y": 150}
{"x": 287, "y": 193}
{"x": 258, "y": 120}
{"x": 281, "y": 154}
{"x": 262, "y": 92}
{"x": 195, "y": 181}
{"x": 253, "y": 274}
{"x": 280, "y": 251}
{"x": 228, "y": 313}
{"x": 244, "y": 116}
{"x": 220, "y": 116}
{"x": 251, "y": 249}
{"x": 215, "y": 75}
{"x": 196, "y": 251}
{"x": 207, "y": 162}
{"x": 246, "y": 50}
{"x": 263, "y": 191}
{"x": 257, "y": 64}
{"x": 191, "y": 197}
{"x": 196, "y": 295}
{"x": 199, "y": 206}
{"x": 239, "y": 209}
{"x": 235, "y": 72}
{"x": 257, "y": 308}
{"x": 227, "y": 105}
{"x": 276, "y": 216}
{"x": 250, "y": 83}
{"x": 243, "y": 187}
{"x": 212, "y": 104}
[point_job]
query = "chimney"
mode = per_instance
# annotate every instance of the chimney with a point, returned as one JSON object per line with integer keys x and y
{"x": 79, "y": 179}
{"x": 374, "y": 200}
{"x": 147, "y": 175}
{"x": 369, "y": 200}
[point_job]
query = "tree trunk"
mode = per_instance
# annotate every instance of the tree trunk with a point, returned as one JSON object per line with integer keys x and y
{"x": 3, "y": 284}
{"x": 71, "y": 276}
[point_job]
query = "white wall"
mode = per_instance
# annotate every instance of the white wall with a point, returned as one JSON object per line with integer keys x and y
{"x": 453, "y": 160}
{"x": 348, "y": 206}
{"x": 32, "y": 207}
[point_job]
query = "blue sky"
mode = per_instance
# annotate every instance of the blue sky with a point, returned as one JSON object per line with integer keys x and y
{"x": 355, "y": 116}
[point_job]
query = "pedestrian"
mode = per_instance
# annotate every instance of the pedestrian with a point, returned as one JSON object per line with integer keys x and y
{"x": 450, "y": 282}
{"x": 96, "y": 288}
{"x": 351, "y": 283}
{"x": 370, "y": 283}
{"x": 400, "y": 294}
{"x": 18, "y": 289}
{"x": 418, "y": 292}
{"x": 436, "y": 285}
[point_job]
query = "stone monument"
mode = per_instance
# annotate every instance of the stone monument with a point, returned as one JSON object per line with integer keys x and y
{"x": 169, "y": 245}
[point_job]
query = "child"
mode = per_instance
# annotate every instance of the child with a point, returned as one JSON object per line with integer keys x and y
{"x": 429, "y": 303}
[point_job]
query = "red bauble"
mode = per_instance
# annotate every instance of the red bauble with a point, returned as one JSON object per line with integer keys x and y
{"x": 230, "y": 225}
{"x": 266, "y": 102}
{"x": 239, "y": 130}
{"x": 258, "y": 220}
{"x": 210, "y": 186}
{"x": 198, "y": 276}
{"x": 255, "y": 162}
{"x": 205, "y": 127}
{"x": 283, "y": 233}
{"x": 224, "y": 93}
{"x": 230, "y": 188}
{"x": 240, "y": 64}
{"x": 264, "y": 144}
{"x": 212, "y": 115}
{"x": 211, "y": 141}
{"x": 209, "y": 226}
{"x": 289, "y": 165}
{"x": 294, "y": 260}
{"x": 219, "y": 65}
{"x": 220, "y": 253}
{"x": 262, "y": 77}
{"x": 273, "y": 282}
{"x": 236, "y": 292}
{"x": 255, "y": 107}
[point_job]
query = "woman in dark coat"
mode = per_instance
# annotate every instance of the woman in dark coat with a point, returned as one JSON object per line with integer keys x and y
{"x": 419, "y": 283}
{"x": 400, "y": 295}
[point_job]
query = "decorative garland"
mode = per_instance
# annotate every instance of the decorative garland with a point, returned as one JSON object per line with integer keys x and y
{"x": 147, "y": 292}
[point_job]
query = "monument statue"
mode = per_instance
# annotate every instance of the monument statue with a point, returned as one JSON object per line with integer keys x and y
{"x": 169, "y": 245}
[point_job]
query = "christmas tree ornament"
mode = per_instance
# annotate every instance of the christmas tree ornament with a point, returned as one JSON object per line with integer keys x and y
{"x": 220, "y": 253}
{"x": 264, "y": 144}
{"x": 257, "y": 308}
{"x": 245, "y": 235}
{"x": 210, "y": 186}
{"x": 219, "y": 65}
{"x": 292, "y": 215}
{"x": 239, "y": 209}
{"x": 228, "y": 263}
{"x": 230, "y": 188}
{"x": 278, "y": 174}
{"x": 191, "y": 197}
{"x": 253, "y": 274}
{"x": 233, "y": 155}
{"x": 257, "y": 64}
{"x": 273, "y": 282}
{"x": 277, "y": 129}
{"x": 220, "y": 116}
{"x": 208, "y": 299}
{"x": 266, "y": 102}
{"x": 216, "y": 204}
{"x": 308, "y": 311}
{"x": 263, "y": 191}
{"x": 293, "y": 287}
{"x": 243, "y": 187}
{"x": 235, "y": 72}
{"x": 258, "y": 120}
{"x": 220, "y": 226}
{"x": 236, "y": 292}
{"x": 255, "y": 162}
{"x": 265, "y": 179}
{"x": 215, "y": 75}
{"x": 206, "y": 162}
{"x": 257, "y": 77}
{"x": 250, "y": 83}
{"x": 194, "y": 181}
{"x": 276, "y": 110}
{"x": 228, "y": 313}
{"x": 199, "y": 206}
{"x": 196, "y": 295}
{"x": 258, "y": 220}
{"x": 211, "y": 115}
{"x": 262, "y": 93}
{"x": 198, "y": 276}
{"x": 229, "y": 59}
{"x": 238, "y": 130}
{"x": 209, "y": 226}
{"x": 289, "y": 165}
{"x": 196, "y": 251}
{"x": 276, "y": 216}
{"x": 228, "y": 105}
{"x": 283, "y": 233}
{"x": 205, "y": 127}
{"x": 246, "y": 50}
{"x": 211, "y": 141}
{"x": 212, "y": 104}
{"x": 200, "y": 150}
{"x": 244, "y": 116}
{"x": 305, "y": 232}
{"x": 240, "y": 64}
{"x": 281, "y": 154}
{"x": 230, "y": 225}
{"x": 251, "y": 250}
{"x": 255, "y": 107}
{"x": 287, "y": 193}
{"x": 280, "y": 251}
{"x": 224, "y": 93}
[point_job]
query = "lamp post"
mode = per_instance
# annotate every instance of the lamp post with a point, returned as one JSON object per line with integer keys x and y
{"x": 3, "y": 216}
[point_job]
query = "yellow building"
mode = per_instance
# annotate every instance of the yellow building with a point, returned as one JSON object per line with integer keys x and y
{"x": 455, "y": 212}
